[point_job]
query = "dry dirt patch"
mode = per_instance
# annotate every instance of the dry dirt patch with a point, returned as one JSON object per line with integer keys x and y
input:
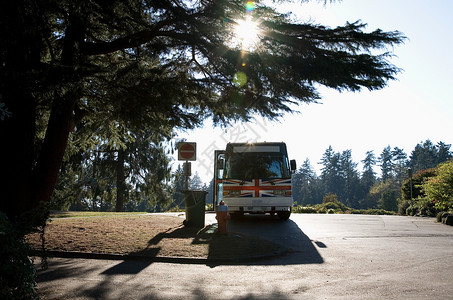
{"x": 147, "y": 235}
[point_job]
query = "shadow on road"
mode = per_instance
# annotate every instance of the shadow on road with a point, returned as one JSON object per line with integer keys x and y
{"x": 112, "y": 284}
{"x": 299, "y": 249}
{"x": 251, "y": 240}
{"x": 287, "y": 234}
{"x": 127, "y": 267}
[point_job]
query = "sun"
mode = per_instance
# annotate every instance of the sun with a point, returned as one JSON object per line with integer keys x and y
{"x": 246, "y": 33}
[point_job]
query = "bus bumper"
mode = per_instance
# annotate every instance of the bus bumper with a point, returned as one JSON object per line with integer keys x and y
{"x": 259, "y": 205}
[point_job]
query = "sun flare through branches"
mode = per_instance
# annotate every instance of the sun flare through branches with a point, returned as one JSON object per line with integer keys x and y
{"x": 246, "y": 34}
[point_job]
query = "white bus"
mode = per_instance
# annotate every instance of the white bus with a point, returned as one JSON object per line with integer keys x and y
{"x": 254, "y": 178}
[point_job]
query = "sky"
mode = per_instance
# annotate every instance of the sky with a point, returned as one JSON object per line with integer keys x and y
{"x": 416, "y": 107}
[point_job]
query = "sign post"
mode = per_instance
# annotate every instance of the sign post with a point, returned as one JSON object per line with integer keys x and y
{"x": 194, "y": 201}
{"x": 187, "y": 151}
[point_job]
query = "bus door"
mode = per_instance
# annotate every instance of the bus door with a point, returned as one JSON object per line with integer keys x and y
{"x": 219, "y": 165}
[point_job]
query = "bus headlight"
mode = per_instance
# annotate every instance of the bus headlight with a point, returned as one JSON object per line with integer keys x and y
{"x": 284, "y": 193}
{"x": 232, "y": 193}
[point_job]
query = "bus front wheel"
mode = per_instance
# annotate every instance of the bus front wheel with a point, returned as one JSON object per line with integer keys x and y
{"x": 284, "y": 215}
{"x": 237, "y": 215}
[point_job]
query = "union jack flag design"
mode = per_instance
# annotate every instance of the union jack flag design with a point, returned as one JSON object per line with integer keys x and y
{"x": 256, "y": 187}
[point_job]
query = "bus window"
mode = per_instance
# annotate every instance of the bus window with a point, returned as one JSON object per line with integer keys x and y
{"x": 256, "y": 166}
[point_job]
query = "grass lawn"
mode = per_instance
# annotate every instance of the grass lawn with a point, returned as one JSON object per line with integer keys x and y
{"x": 146, "y": 235}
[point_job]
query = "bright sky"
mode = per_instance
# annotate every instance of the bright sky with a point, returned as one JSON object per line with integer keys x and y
{"x": 416, "y": 107}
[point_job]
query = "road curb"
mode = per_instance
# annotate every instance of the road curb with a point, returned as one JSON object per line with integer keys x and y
{"x": 161, "y": 259}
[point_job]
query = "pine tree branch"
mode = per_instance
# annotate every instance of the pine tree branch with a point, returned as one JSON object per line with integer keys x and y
{"x": 131, "y": 41}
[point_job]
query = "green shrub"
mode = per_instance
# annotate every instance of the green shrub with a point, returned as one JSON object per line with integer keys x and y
{"x": 417, "y": 182}
{"x": 357, "y": 211}
{"x": 411, "y": 211}
{"x": 439, "y": 188}
{"x": 331, "y": 205}
{"x": 439, "y": 216}
{"x": 176, "y": 209}
{"x": 424, "y": 207}
{"x": 402, "y": 207}
{"x": 378, "y": 211}
{"x": 330, "y": 198}
{"x": 335, "y": 208}
{"x": 442, "y": 215}
{"x": 300, "y": 209}
{"x": 17, "y": 272}
{"x": 322, "y": 210}
{"x": 388, "y": 200}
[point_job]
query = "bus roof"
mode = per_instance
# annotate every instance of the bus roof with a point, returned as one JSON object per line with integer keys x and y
{"x": 256, "y": 147}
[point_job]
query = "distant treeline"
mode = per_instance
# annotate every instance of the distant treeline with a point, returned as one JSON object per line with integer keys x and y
{"x": 140, "y": 179}
{"x": 366, "y": 188}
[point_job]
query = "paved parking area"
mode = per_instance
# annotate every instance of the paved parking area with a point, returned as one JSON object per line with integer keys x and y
{"x": 330, "y": 257}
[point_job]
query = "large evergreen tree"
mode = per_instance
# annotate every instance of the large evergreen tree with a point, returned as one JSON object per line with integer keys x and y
{"x": 179, "y": 185}
{"x": 427, "y": 155}
{"x": 400, "y": 165}
{"x": 368, "y": 174}
{"x": 130, "y": 166}
{"x": 368, "y": 179}
{"x": 443, "y": 152}
{"x": 386, "y": 164}
{"x": 339, "y": 176}
{"x": 306, "y": 187}
{"x": 331, "y": 177}
{"x": 163, "y": 63}
{"x": 351, "y": 190}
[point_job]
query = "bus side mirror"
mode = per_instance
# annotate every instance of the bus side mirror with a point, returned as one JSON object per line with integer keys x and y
{"x": 293, "y": 165}
{"x": 220, "y": 164}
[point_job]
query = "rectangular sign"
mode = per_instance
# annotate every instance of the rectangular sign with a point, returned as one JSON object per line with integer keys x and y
{"x": 187, "y": 151}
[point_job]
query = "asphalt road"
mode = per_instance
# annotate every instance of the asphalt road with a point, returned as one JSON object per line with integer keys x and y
{"x": 330, "y": 257}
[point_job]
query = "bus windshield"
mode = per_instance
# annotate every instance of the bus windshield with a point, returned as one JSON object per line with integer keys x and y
{"x": 256, "y": 165}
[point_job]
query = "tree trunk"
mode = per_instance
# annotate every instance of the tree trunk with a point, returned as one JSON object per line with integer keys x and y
{"x": 95, "y": 186}
{"x": 30, "y": 179}
{"x": 120, "y": 181}
{"x": 20, "y": 59}
{"x": 52, "y": 152}
{"x": 16, "y": 151}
